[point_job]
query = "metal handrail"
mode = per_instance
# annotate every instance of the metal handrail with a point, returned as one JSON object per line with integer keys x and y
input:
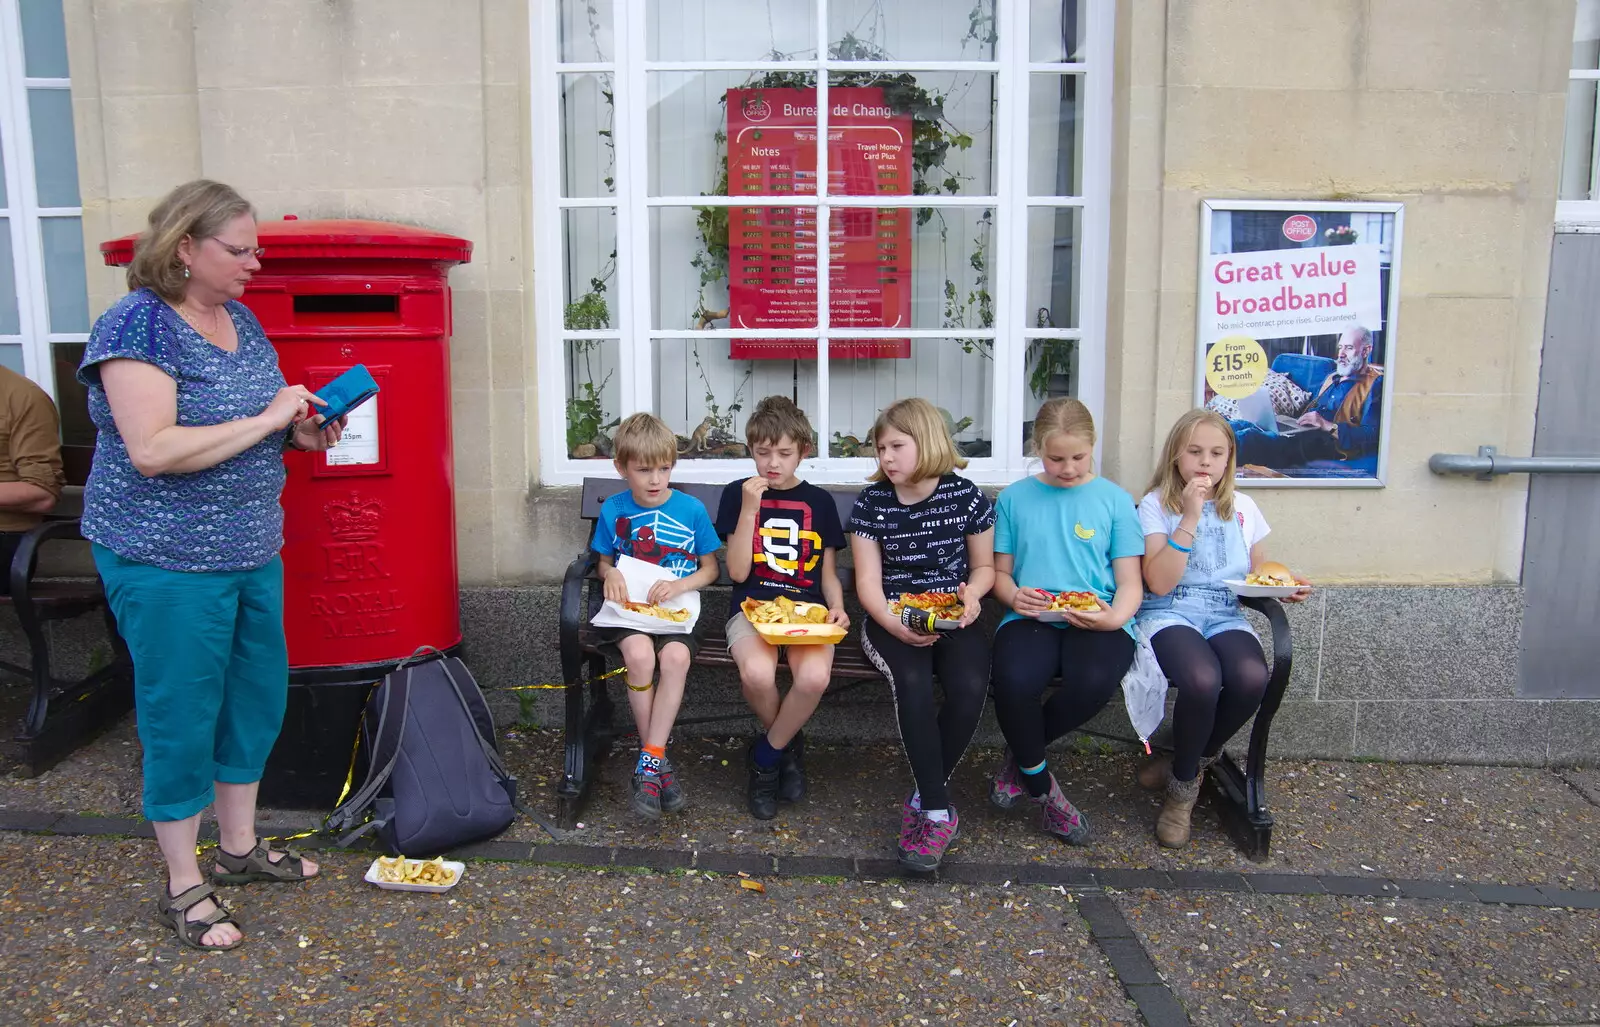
{"x": 1487, "y": 464}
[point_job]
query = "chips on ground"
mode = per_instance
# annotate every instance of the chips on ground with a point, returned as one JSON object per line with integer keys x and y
{"x": 399, "y": 870}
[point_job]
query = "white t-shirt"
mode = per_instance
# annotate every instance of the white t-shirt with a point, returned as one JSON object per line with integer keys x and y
{"x": 1157, "y": 520}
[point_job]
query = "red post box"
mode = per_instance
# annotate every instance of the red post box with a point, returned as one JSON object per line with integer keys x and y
{"x": 369, "y": 549}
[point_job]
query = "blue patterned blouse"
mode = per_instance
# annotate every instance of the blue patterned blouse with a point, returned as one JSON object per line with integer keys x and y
{"x": 224, "y": 518}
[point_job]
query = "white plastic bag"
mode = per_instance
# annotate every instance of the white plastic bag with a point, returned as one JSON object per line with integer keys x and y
{"x": 1144, "y": 688}
{"x": 640, "y": 576}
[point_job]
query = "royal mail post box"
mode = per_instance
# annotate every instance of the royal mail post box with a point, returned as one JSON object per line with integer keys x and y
{"x": 369, "y": 549}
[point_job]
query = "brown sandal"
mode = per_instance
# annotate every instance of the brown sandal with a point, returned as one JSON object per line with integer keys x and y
{"x": 173, "y": 909}
{"x": 258, "y": 866}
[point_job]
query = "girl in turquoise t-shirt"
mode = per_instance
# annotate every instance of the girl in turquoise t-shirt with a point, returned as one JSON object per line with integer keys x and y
{"x": 1064, "y": 529}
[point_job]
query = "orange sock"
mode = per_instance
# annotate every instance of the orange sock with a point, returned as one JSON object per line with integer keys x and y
{"x": 650, "y": 758}
{"x": 658, "y": 751}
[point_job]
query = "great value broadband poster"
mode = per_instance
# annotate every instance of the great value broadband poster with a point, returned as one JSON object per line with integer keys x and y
{"x": 1296, "y": 336}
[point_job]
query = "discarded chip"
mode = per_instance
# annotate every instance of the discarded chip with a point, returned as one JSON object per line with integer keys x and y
{"x": 755, "y": 886}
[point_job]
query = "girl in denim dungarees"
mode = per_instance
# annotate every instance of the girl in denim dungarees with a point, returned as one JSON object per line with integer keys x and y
{"x": 1199, "y": 532}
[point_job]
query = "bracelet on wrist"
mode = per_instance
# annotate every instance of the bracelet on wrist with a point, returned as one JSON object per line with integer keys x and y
{"x": 1186, "y": 531}
{"x": 1182, "y": 549}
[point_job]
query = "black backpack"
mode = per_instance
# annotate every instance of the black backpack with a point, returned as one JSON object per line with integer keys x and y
{"x": 434, "y": 777}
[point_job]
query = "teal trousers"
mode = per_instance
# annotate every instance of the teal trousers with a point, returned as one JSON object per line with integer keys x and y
{"x": 210, "y": 674}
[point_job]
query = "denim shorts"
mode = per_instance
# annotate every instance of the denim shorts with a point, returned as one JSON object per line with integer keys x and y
{"x": 1210, "y": 611}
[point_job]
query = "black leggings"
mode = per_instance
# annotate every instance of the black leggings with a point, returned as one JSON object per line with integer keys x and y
{"x": 1028, "y": 655}
{"x": 934, "y": 739}
{"x": 1220, "y": 682}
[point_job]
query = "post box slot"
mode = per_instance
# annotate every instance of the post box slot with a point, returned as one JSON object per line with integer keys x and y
{"x": 347, "y": 309}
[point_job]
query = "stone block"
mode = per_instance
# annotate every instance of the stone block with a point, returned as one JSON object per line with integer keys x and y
{"x": 127, "y": 35}
{"x": 510, "y": 636}
{"x": 518, "y": 548}
{"x": 511, "y": 348}
{"x": 413, "y": 136}
{"x": 1410, "y": 141}
{"x": 1354, "y": 673}
{"x": 1575, "y": 734}
{"x": 1486, "y": 731}
{"x": 1434, "y": 617}
{"x": 272, "y": 138}
{"x": 1457, "y": 245}
{"x": 151, "y": 144}
{"x": 475, "y": 536}
{"x": 1304, "y": 729}
{"x": 88, "y": 133}
{"x": 509, "y": 439}
{"x": 469, "y": 339}
{"x": 299, "y": 43}
{"x": 1296, "y": 46}
{"x": 1435, "y": 360}
{"x": 505, "y": 42}
{"x": 470, "y": 431}
{"x": 1440, "y": 45}
{"x": 412, "y": 43}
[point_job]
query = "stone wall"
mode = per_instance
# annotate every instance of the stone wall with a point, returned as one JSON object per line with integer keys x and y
{"x": 1391, "y": 100}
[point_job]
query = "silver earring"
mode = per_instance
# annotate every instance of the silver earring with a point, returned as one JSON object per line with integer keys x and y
{"x": 186, "y": 271}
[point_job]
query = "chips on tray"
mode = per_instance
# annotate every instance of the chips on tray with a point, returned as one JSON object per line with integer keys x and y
{"x": 783, "y": 610}
{"x": 400, "y": 870}
{"x": 943, "y": 605}
{"x": 677, "y": 616}
{"x": 1271, "y": 579}
{"x": 1084, "y": 602}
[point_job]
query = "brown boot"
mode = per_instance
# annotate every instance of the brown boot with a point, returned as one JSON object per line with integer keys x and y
{"x": 1172, "y": 823}
{"x": 1152, "y": 777}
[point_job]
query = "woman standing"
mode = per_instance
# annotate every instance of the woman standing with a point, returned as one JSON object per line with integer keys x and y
{"x": 182, "y": 506}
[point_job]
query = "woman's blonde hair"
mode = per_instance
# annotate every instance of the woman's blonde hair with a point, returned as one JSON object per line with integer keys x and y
{"x": 1169, "y": 483}
{"x": 936, "y": 450}
{"x": 1061, "y": 416}
{"x": 197, "y": 210}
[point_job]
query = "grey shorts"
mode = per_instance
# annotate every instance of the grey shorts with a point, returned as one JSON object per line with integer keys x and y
{"x": 739, "y": 628}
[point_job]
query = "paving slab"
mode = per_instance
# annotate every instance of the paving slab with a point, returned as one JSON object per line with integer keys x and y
{"x": 532, "y": 944}
{"x": 1289, "y": 960}
{"x": 1505, "y": 825}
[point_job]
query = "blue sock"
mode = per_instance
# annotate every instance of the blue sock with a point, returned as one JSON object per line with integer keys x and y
{"x": 765, "y": 755}
{"x": 1035, "y": 779}
{"x": 648, "y": 763}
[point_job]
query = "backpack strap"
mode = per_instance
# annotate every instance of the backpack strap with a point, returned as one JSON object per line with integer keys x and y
{"x": 507, "y": 779}
{"x": 385, "y": 750}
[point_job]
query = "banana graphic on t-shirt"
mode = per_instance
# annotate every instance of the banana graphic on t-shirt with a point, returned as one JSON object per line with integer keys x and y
{"x": 1084, "y": 533}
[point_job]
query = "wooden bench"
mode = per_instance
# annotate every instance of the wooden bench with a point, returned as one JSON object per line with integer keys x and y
{"x": 1239, "y": 794}
{"x": 63, "y": 714}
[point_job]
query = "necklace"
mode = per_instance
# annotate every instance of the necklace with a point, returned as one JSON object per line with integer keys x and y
{"x": 194, "y": 321}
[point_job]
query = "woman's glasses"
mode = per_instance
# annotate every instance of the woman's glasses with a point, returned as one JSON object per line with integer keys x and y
{"x": 241, "y": 252}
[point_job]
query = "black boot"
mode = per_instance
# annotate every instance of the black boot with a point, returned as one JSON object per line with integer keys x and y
{"x": 792, "y": 770}
{"x": 763, "y": 797}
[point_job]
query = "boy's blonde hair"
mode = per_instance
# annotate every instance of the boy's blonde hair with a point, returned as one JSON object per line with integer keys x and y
{"x": 1061, "y": 416}
{"x": 776, "y": 417}
{"x": 645, "y": 438}
{"x": 1169, "y": 483}
{"x": 936, "y": 450}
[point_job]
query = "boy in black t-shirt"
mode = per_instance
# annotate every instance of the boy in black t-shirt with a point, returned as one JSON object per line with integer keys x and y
{"x": 783, "y": 539}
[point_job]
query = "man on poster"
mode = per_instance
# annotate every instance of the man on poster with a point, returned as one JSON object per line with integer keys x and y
{"x": 1342, "y": 422}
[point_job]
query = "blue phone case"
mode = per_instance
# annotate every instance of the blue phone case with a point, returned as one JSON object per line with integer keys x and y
{"x": 346, "y": 392}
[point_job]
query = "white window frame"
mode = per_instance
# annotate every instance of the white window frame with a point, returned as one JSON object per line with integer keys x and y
{"x": 24, "y": 213}
{"x": 634, "y": 334}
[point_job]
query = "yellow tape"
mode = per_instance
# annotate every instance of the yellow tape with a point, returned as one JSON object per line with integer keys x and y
{"x": 590, "y": 681}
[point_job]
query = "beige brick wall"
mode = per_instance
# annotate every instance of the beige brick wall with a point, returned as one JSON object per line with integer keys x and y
{"x": 405, "y": 110}
{"x": 1453, "y": 107}
{"x": 416, "y": 111}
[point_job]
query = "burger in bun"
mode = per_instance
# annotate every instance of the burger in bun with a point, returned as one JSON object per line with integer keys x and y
{"x": 1272, "y": 574}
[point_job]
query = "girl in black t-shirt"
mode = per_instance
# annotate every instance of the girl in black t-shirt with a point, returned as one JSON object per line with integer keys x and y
{"x": 922, "y": 528}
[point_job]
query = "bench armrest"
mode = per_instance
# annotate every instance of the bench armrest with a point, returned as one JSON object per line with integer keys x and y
{"x": 1277, "y": 684}
{"x": 573, "y": 613}
{"x": 27, "y": 557}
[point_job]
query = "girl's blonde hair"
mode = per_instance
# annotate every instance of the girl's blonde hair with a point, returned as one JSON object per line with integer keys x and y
{"x": 1169, "y": 483}
{"x": 1061, "y": 416}
{"x": 936, "y": 450}
{"x": 198, "y": 210}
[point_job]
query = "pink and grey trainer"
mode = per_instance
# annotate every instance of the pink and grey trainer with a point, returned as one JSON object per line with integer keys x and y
{"x": 1006, "y": 790}
{"x": 930, "y": 840}
{"x": 1061, "y": 818}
